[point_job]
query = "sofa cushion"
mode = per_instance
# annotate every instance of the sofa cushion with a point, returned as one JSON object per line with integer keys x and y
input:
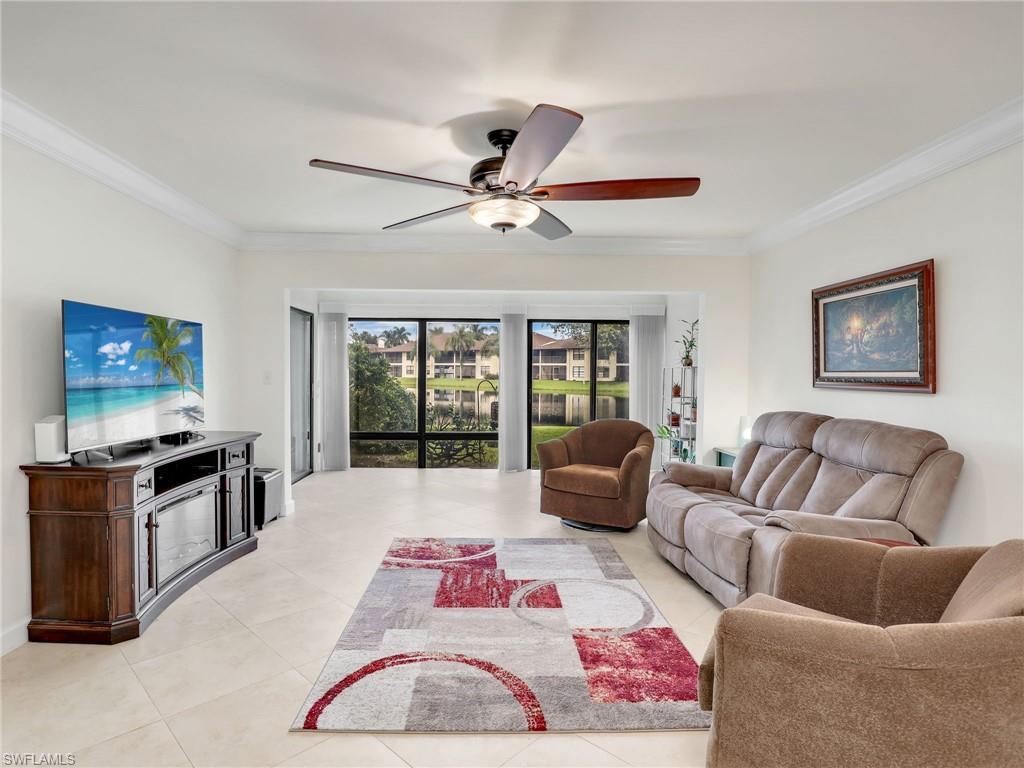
{"x": 993, "y": 588}
{"x": 584, "y": 480}
{"x": 795, "y": 490}
{"x": 779, "y": 478}
{"x": 766, "y": 460}
{"x": 879, "y": 498}
{"x": 667, "y": 507}
{"x": 833, "y": 485}
{"x": 720, "y": 540}
{"x": 787, "y": 429}
{"x": 741, "y": 508}
{"x": 875, "y": 446}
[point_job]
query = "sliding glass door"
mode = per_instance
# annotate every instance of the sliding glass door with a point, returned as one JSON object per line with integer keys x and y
{"x": 579, "y": 371}
{"x": 301, "y": 332}
{"x": 424, "y": 393}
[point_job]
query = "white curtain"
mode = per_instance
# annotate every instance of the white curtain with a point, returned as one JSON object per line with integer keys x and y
{"x": 646, "y": 360}
{"x": 334, "y": 346}
{"x": 512, "y": 394}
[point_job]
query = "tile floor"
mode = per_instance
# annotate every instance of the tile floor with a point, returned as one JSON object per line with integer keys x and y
{"x": 217, "y": 679}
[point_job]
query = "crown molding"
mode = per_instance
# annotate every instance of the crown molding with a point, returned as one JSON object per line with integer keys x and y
{"x": 45, "y": 135}
{"x": 990, "y": 133}
{"x": 515, "y": 243}
{"x": 996, "y": 130}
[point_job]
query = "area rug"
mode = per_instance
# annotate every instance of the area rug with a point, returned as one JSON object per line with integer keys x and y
{"x": 505, "y": 635}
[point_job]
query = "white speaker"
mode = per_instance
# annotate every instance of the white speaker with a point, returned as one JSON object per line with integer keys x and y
{"x": 51, "y": 441}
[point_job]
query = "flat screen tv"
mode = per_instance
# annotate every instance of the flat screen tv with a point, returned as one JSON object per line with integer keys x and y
{"x": 129, "y": 376}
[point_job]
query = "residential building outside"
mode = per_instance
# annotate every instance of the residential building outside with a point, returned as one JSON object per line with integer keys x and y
{"x": 553, "y": 360}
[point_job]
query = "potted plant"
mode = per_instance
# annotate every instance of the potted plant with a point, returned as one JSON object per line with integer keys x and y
{"x": 688, "y": 341}
{"x": 677, "y": 390}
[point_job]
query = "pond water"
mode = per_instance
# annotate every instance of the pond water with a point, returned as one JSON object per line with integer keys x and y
{"x": 463, "y": 405}
{"x": 551, "y": 408}
{"x": 561, "y": 409}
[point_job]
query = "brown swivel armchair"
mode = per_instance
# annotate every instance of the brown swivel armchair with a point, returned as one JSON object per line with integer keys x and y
{"x": 868, "y": 656}
{"x": 596, "y": 476}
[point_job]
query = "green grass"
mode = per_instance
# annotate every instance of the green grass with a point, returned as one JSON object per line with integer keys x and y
{"x": 541, "y": 433}
{"x": 609, "y": 388}
{"x": 464, "y": 384}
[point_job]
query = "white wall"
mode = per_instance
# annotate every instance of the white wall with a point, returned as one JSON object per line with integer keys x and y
{"x": 67, "y": 236}
{"x": 970, "y": 222}
{"x": 268, "y": 277}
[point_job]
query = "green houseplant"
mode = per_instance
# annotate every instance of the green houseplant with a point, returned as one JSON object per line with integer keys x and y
{"x": 688, "y": 340}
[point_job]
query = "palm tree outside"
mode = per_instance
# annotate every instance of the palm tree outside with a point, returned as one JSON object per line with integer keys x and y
{"x": 396, "y": 336}
{"x": 461, "y": 340}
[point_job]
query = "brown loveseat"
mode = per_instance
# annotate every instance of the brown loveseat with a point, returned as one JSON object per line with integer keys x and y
{"x": 870, "y": 656}
{"x": 597, "y": 474}
{"x": 800, "y": 472}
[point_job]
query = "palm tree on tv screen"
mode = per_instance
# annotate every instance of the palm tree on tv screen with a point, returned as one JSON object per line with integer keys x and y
{"x": 166, "y": 337}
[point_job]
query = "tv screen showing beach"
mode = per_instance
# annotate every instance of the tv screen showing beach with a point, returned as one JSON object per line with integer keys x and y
{"x": 129, "y": 376}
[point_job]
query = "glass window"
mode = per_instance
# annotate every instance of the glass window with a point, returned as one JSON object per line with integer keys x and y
{"x": 384, "y": 453}
{"x": 481, "y": 454}
{"x": 462, "y": 396}
{"x": 565, "y": 396}
{"x": 380, "y": 398}
{"x": 457, "y": 387}
{"x": 557, "y": 404}
{"x": 612, "y": 390}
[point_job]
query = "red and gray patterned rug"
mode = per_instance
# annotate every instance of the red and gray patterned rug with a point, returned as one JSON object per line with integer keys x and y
{"x": 476, "y": 635}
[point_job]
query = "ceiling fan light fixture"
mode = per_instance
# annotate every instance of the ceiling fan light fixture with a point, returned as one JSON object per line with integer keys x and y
{"x": 504, "y": 213}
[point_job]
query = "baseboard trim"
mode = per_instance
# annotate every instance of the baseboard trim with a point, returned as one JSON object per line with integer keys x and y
{"x": 14, "y": 636}
{"x": 288, "y": 508}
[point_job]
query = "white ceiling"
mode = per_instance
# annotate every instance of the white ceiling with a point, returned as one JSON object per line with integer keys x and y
{"x": 774, "y": 105}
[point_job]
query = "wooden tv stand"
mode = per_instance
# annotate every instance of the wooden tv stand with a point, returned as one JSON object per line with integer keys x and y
{"x": 113, "y": 543}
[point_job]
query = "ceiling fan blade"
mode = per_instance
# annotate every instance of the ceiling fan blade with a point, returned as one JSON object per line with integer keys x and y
{"x": 619, "y": 189}
{"x": 544, "y": 134}
{"x": 359, "y": 170}
{"x": 549, "y": 226}
{"x": 429, "y": 217}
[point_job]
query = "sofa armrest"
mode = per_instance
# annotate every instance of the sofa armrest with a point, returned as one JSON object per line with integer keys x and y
{"x": 834, "y": 575}
{"x": 844, "y": 527}
{"x": 854, "y": 682}
{"x": 684, "y": 473}
{"x": 553, "y": 454}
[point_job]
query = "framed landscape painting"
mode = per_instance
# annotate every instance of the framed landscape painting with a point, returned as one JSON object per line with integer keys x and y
{"x": 877, "y": 331}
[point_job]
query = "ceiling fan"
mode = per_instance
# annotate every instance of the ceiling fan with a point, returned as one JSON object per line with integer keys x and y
{"x": 504, "y": 189}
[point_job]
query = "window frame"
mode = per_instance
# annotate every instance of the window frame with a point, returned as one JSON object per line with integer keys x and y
{"x": 592, "y": 368}
{"x": 421, "y": 436}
